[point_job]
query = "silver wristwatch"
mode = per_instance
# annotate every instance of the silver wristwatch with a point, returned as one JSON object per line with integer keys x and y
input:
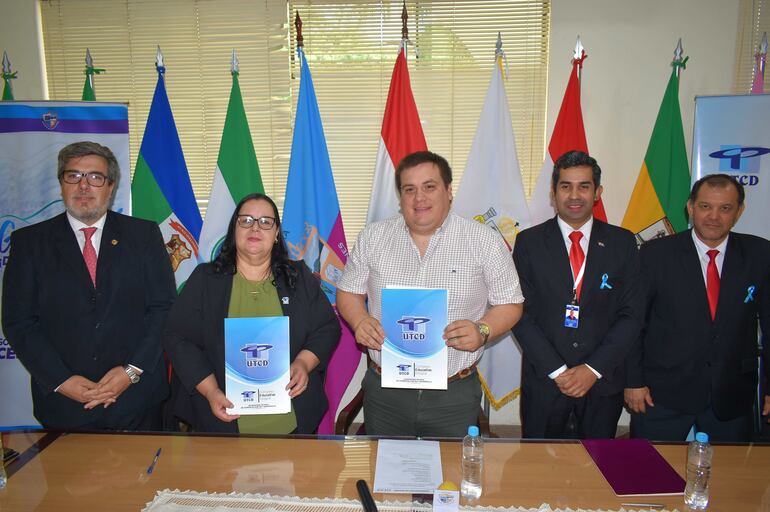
{"x": 133, "y": 375}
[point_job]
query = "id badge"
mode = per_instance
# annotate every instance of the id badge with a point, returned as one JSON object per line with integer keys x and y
{"x": 572, "y": 316}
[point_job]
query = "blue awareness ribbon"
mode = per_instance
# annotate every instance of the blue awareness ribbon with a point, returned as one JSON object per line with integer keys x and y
{"x": 605, "y": 284}
{"x": 750, "y": 294}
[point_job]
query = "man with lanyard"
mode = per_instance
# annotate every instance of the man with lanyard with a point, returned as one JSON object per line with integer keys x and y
{"x": 427, "y": 246}
{"x": 582, "y": 313}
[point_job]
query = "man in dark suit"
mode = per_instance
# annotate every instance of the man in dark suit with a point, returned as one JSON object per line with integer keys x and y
{"x": 582, "y": 310}
{"x": 696, "y": 361}
{"x": 85, "y": 296}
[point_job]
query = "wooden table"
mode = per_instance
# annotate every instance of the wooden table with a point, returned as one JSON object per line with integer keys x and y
{"x": 109, "y": 471}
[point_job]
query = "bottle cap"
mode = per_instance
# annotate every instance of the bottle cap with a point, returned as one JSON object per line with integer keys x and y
{"x": 473, "y": 431}
{"x": 702, "y": 437}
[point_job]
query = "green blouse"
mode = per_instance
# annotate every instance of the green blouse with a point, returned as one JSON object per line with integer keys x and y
{"x": 250, "y": 299}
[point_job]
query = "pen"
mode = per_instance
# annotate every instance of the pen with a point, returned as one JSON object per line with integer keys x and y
{"x": 154, "y": 461}
{"x": 366, "y": 497}
{"x": 643, "y": 505}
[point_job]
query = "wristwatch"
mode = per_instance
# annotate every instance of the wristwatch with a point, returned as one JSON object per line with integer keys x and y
{"x": 483, "y": 330}
{"x": 133, "y": 375}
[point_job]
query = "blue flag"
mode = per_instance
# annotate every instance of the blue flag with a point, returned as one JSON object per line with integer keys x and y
{"x": 312, "y": 225}
{"x": 161, "y": 190}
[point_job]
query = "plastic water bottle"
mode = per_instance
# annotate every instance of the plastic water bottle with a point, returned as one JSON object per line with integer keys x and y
{"x": 699, "y": 453}
{"x": 473, "y": 464}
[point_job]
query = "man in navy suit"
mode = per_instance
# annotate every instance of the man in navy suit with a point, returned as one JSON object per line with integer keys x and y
{"x": 85, "y": 296}
{"x": 696, "y": 361}
{"x": 582, "y": 310}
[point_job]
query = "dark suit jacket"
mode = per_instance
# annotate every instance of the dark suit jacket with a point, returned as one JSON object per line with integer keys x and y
{"x": 194, "y": 338}
{"x": 687, "y": 360}
{"x": 60, "y": 326}
{"x": 610, "y": 319}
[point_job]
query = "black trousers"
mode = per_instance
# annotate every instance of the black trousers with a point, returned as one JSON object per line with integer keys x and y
{"x": 662, "y": 424}
{"x": 547, "y": 413}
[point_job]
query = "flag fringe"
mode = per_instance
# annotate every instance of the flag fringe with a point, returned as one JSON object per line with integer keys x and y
{"x": 497, "y": 404}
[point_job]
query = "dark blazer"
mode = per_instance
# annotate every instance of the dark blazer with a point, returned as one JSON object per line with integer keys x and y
{"x": 688, "y": 360}
{"x": 59, "y": 325}
{"x": 610, "y": 318}
{"x": 194, "y": 339}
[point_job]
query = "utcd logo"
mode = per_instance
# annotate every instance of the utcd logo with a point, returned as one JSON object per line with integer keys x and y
{"x": 735, "y": 158}
{"x": 413, "y": 327}
{"x": 403, "y": 369}
{"x": 257, "y": 354}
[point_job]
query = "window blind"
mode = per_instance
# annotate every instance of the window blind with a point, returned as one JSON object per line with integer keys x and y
{"x": 351, "y": 48}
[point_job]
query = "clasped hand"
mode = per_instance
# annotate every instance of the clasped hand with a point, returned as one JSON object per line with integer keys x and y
{"x": 105, "y": 392}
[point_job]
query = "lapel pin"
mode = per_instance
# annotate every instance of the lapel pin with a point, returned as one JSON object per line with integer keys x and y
{"x": 605, "y": 284}
{"x": 600, "y": 244}
{"x": 284, "y": 300}
{"x": 114, "y": 242}
{"x": 749, "y": 294}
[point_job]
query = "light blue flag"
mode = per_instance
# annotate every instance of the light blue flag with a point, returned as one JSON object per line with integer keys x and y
{"x": 312, "y": 226}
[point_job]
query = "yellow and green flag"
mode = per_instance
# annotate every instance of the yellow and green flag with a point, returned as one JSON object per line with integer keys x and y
{"x": 657, "y": 204}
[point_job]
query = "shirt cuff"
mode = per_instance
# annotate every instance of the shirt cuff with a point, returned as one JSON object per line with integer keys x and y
{"x": 557, "y": 372}
{"x": 140, "y": 371}
{"x": 598, "y": 375}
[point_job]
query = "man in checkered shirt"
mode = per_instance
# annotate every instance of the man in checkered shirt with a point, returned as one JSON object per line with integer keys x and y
{"x": 427, "y": 246}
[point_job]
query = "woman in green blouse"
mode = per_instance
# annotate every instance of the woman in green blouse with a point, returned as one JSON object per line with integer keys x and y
{"x": 252, "y": 276}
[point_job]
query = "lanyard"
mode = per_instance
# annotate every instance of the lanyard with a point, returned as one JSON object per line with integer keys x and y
{"x": 579, "y": 278}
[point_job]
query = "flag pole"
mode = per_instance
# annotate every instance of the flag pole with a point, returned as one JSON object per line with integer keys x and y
{"x": 679, "y": 62}
{"x": 404, "y": 28}
{"x": 578, "y": 57}
{"x": 8, "y": 75}
{"x": 89, "y": 90}
{"x": 159, "y": 66}
{"x": 298, "y": 27}
{"x": 760, "y": 57}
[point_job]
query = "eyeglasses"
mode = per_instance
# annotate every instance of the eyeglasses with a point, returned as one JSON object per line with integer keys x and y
{"x": 426, "y": 188}
{"x": 246, "y": 221}
{"x": 95, "y": 179}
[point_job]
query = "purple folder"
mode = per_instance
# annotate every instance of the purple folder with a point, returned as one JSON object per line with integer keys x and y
{"x": 633, "y": 467}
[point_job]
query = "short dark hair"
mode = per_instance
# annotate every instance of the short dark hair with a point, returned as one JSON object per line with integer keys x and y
{"x": 86, "y": 148}
{"x": 421, "y": 157}
{"x": 575, "y": 158}
{"x": 717, "y": 181}
{"x": 280, "y": 264}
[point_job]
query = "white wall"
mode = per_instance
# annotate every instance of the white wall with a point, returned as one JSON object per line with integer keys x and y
{"x": 21, "y": 37}
{"x": 630, "y": 45}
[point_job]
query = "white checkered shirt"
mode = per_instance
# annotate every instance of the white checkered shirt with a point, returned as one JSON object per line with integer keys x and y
{"x": 467, "y": 258}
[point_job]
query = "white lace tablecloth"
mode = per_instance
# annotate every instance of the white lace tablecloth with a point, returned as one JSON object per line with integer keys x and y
{"x": 191, "y": 501}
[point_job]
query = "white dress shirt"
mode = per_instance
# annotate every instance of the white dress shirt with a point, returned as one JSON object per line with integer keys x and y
{"x": 702, "y": 249}
{"x": 96, "y": 238}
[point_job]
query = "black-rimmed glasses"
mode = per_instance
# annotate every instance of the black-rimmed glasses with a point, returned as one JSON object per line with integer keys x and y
{"x": 246, "y": 221}
{"x": 95, "y": 179}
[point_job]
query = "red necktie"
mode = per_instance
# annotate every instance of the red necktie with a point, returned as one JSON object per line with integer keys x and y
{"x": 89, "y": 253}
{"x": 712, "y": 282}
{"x": 576, "y": 258}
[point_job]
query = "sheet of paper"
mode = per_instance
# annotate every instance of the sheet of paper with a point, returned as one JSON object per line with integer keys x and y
{"x": 407, "y": 466}
{"x": 414, "y": 354}
{"x": 257, "y": 364}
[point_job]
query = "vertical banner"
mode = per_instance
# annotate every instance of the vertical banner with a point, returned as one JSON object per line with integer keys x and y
{"x": 31, "y": 135}
{"x": 732, "y": 136}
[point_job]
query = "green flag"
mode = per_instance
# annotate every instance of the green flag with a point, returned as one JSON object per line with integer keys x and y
{"x": 236, "y": 175}
{"x": 663, "y": 185}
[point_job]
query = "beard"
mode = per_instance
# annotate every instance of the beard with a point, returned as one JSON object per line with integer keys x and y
{"x": 86, "y": 214}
